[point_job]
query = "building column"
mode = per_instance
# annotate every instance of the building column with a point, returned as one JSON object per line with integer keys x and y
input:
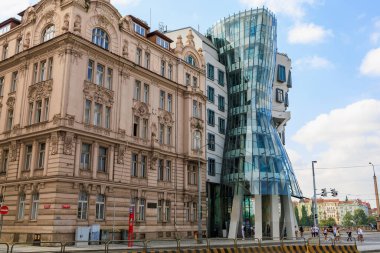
{"x": 110, "y": 163}
{"x": 236, "y": 212}
{"x": 290, "y": 220}
{"x": 46, "y": 161}
{"x": 275, "y": 217}
{"x": 94, "y": 164}
{"x": 21, "y": 160}
{"x": 34, "y": 159}
{"x": 78, "y": 147}
{"x": 258, "y": 217}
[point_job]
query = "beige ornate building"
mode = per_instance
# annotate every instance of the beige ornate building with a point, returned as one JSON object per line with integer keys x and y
{"x": 98, "y": 114}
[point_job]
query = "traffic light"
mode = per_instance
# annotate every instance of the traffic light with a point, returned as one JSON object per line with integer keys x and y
{"x": 334, "y": 193}
{"x": 324, "y": 192}
{"x": 316, "y": 216}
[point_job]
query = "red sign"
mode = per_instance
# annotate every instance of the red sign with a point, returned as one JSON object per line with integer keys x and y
{"x": 4, "y": 210}
{"x": 66, "y": 206}
{"x": 47, "y": 206}
{"x": 130, "y": 230}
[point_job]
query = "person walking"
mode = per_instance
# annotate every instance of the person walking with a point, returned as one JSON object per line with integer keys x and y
{"x": 337, "y": 235}
{"x": 243, "y": 231}
{"x": 360, "y": 235}
{"x": 325, "y": 233}
{"x": 349, "y": 235}
{"x": 301, "y": 231}
{"x": 296, "y": 231}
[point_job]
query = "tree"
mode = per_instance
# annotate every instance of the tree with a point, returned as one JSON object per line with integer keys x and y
{"x": 360, "y": 218}
{"x": 372, "y": 220}
{"x": 348, "y": 220}
{"x": 329, "y": 222}
{"x": 296, "y": 213}
{"x": 305, "y": 220}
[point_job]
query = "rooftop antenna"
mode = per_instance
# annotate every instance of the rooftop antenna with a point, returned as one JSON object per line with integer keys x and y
{"x": 162, "y": 27}
{"x": 150, "y": 17}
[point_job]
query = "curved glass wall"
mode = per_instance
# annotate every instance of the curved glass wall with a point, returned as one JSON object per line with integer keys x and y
{"x": 254, "y": 156}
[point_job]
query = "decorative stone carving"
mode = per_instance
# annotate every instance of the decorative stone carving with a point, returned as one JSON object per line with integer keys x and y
{"x": 29, "y": 15}
{"x": 179, "y": 44}
{"x": 154, "y": 130}
{"x": 165, "y": 118}
{"x": 54, "y": 143}
{"x": 153, "y": 161}
{"x": 49, "y": 16}
{"x": 123, "y": 24}
{"x": 190, "y": 39}
{"x": 40, "y": 90}
{"x": 122, "y": 133}
{"x": 13, "y": 151}
{"x": 27, "y": 41}
{"x": 125, "y": 49}
{"x": 11, "y": 102}
{"x": 121, "y": 154}
{"x": 68, "y": 143}
{"x": 102, "y": 21}
{"x": 196, "y": 123}
{"x": 98, "y": 94}
{"x": 66, "y": 23}
{"x": 141, "y": 109}
{"x": 77, "y": 24}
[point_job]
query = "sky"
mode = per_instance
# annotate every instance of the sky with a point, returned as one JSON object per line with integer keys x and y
{"x": 335, "y": 100}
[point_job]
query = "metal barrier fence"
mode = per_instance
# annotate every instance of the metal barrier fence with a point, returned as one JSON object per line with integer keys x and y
{"x": 61, "y": 247}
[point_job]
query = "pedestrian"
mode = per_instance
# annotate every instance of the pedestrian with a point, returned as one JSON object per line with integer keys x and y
{"x": 301, "y": 231}
{"x": 360, "y": 235}
{"x": 242, "y": 231}
{"x": 325, "y": 233}
{"x": 316, "y": 231}
{"x": 349, "y": 235}
{"x": 312, "y": 231}
{"x": 337, "y": 235}
{"x": 296, "y": 231}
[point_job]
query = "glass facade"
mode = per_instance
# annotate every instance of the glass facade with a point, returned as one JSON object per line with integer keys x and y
{"x": 254, "y": 157}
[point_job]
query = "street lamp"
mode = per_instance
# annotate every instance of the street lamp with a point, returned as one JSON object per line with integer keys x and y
{"x": 376, "y": 192}
{"x": 315, "y": 196}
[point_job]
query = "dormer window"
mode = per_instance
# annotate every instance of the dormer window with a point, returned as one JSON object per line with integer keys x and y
{"x": 190, "y": 59}
{"x": 100, "y": 38}
{"x": 48, "y": 33}
{"x": 139, "y": 29}
{"x": 162, "y": 43}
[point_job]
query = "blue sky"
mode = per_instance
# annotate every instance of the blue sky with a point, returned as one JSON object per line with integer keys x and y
{"x": 335, "y": 100}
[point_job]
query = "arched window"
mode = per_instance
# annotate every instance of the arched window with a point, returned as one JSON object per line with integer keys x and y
{"x": 190, "y": 59}
{"x": 100, "y": 38}
{"x": 48, "y": 33}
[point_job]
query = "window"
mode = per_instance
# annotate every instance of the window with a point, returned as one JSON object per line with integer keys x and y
{"x": 30, "y": 113}
{"x": 28, "y": 157}
{"x": 188, "y": 77}
{"x": 5, "y": 52}
{"x": 211, "y": 166}
{"x": 279, "y": 95}
{"x": 41, "y": 155}
{"x": 107, "y": 123}
{"x": 281, "y": 76}
{"x": 160, "y": 209}
{"x": 48, "y": 33}
{"x": 82, "y": 205}
{"x": 46, "y": 114}
{"x": 35, "y": 72}
{"x": 4, "y": 162}
{"x": 147, "y": 60}
{"x": 109, "y": 78}
{"x": 134, "y": 165}
{"x": 197, "y": 140}
{"x": 162, "y": 99}
{"x": 137, "y": 92}
{"x": 195, "y": 82}
{"x": 98, "y": 114}
{"x": 35, "y": 203}
{"x": 38, "y": 112}
{"x": 168, "y": 171}
{"x": 170, "y": 101}
{"x": 162, "y": 43}
{"x": 193, "y": 211}
{"x": 138, "y": 56}
{"x": 18, "y": 46}
{"x": 87, "y": 112}
{"x": 211, "y": 141}
{"x": 42, "y": 76}
{"x": 50, "y": 69}
{"x": 100, "y": 38}
{"x": 21, "y": 206}
{"x": 139, "y": 29}
{"x": 169, "y": 135}
{"x": 143, "y": 165}
{"x": 163, "y": 65}
{"x": 100, "y": 74}
{"x": 192, "y": 175}
{"x": 100, "y": 207}
{"x": 10, "y": 119}
{"x": 141, "y": 210}
{"x": 210, "y": 94}
{"x": 102, "y": 159}
{"x": 144, "y": 132}
{"x": 187, "y": 211}
{"x": 85, "y": 156}
{"x": 190, "y": 59}
{"x": 195, "y": 108}
{"x": 220, "y": 77}
{"x": 90, "y": 70}
{"x": 136, "y": 126}
{"x": 210, "y": 71}
{"x": 210, "y": 117}
{"x": 146, "y": 93}
{"x": 14, "y": 81}
{"x": 221, "y": 103}
{"x": 170, "y": 71}
{"x": 222, "y": 126}
{"x": 167, "y": 210}
{"x": 1, "y": 86}
{"x": 160, "y": 170}
{"x": 162, "y": 133}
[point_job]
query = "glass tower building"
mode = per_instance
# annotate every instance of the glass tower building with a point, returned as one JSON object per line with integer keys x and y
{"x": 255, "y": 163}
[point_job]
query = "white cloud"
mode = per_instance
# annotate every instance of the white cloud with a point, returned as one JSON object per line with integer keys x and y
{"x": 313, "y": 62}
{"x": 344, "y": 137}
{"x": 10, "y": 9}
{"x": 292, "y": 8}
{"x": 125, "y": 2}
{"x": 371, "y": 63}
{"x": 308, "y": 33}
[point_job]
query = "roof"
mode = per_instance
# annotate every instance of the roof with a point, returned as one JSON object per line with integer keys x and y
{"x": 159, "y": 34}
{"x": 21, "y": 14}
{"x": 10, "y": 20}
{"x": 201, "y": 36}
{"x": 139, "y": 21}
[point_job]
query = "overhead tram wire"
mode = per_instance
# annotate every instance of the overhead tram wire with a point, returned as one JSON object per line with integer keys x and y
{"x": 338, "y": 168}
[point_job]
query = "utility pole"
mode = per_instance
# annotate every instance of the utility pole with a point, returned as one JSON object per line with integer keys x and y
{"x": 315, "y": 213}
{"x": 377, "y": 197}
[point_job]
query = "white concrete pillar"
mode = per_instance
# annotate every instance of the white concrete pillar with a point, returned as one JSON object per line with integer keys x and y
{"x": 258, "y": 217}
{"x": 94, "y": 164}
{"x": 290, "y": 220}
{"x": 275, "y": 217}
{"x": 34, "y": 159}
{"x": 111, "y": 158}
{"x": 78, "y": 147}
{"x": 46, "y": 161}
{"x": 236, "y": 213}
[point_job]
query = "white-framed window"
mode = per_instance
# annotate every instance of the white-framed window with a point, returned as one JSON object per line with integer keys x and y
{"x": 147, "y": 60}
{"x": 98, "y": 114}
{"x": 169, "y": 135}
{"x": 160, "y": 170}
{"x": 138, "y": 56}
{"x": 82, "y": 205}
{"x": 143, "y": 166}
{"x": 195, "y": 82}
{"x": 85, "y": 158}
{"x": 107, "y": 123}
{"x": 144, "y": 130}
{"x": 109, "y": 78}
{"x": 137, "y": 90}
{"x": 35, "y": 204}
{"x": 197, "y": 109}
{"x": 163, "y": 67}
{"x": 9, "y": 119}
{"x": 100, "y": 207}
{"x": 170, "y": 71}
{"x": 100, "y": 38}
{"x": 163, "y": 43}
{"x": 100, "y": 74}
{"x": 90, "y": 70}
{"x": 146, "y": 93}
{"x": 192, "y": 175}
{"x": 1, "y": 86}
{"x": 18, "y": 46}
{"x": 170, "y": 103}
{"x": 28, "y": 157}
{"x": 139, "y": 29}
{"x": 161, "y": 133}
{"x": 102, "y": 159}
{"x": 5, "y": 52}
{"x": 139, "y": 208}
{"x": 162, "y": 99}
{"x": 187, "y": 211}
{"x": 136, "y": 126}
{"x": 87, "y": 111}
{"x": 4, "y": 162}
{"x": 14, "y": 81}
{"x": 168, "y": 171}
{"x": 188, "y": 79}
{"x": 41, "y": 155}
{"x": 30, "y": 113}
{"x": 160, "y": 208}
{"x": 38, "y": 112}
{"x": 42, "y": 76}
{"x": 190, "y": 59}
{"x": 134, "y": 172}
{"x": 193, "y": 211}
{"x": 50, "y": 69}
{"x": 48, "y": 33}
{"x": 21, "y": 206}
{"x": 167, "y": 210}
